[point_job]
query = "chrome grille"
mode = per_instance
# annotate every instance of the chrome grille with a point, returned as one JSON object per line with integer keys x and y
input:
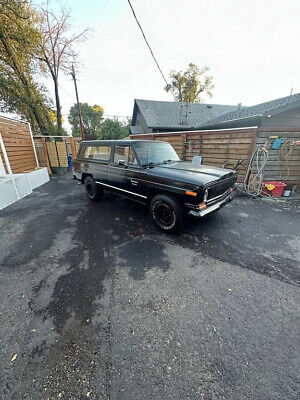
{"x": 220, "y": 188}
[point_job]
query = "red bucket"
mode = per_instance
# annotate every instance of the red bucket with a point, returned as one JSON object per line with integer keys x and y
{"x": 276, "y": 192}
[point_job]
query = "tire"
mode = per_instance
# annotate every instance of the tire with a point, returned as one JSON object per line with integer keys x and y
{"x": 92, "y": 189}
{"x": 166, "y": 212}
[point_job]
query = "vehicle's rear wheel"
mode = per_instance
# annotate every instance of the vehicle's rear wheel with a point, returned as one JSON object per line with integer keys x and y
{"x": 92, "y": 189}
{"x": 166, "y": 211}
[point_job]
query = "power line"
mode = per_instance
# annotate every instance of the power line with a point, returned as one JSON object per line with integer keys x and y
{"x": 67, "y": 93}
{"x": 152, "y": 54}
{"x": 116, "y": 116}
{"x": 98, "y": 83}
{"x": 107, "y": 115}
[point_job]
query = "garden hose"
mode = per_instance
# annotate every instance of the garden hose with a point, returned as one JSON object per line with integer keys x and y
{"x": 252, "y": 184}
{"x": 285, "y": 153}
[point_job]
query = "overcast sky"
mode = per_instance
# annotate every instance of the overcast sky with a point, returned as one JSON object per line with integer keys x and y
{"x": 251, "y": 47}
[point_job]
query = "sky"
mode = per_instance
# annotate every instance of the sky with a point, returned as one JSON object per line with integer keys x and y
{"x": 250, "y": 46}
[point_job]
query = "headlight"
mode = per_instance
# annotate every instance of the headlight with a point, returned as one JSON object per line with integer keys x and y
{"x": 205, "y": 197}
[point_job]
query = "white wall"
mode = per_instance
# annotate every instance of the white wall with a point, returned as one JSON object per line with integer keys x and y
{"x": 16, "y": 186}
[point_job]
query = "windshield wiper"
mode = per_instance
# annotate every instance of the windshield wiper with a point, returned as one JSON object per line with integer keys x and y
{"x": 149, "y": 164}
{"x": 152, "y": 164}
{"x": 167, "y": 161}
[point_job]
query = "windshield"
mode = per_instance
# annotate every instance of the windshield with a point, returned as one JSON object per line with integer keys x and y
{"x": 155, "y": 153}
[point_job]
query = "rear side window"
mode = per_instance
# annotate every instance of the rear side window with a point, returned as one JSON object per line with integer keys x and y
{"x": 97, "y": 153}
{"x": 126, "y": 154}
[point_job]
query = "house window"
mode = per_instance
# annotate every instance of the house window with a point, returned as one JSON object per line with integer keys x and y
{"x": 97, "y": 153}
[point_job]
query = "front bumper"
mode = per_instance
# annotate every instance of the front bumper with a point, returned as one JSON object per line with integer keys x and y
{"x": 214, "y": 207}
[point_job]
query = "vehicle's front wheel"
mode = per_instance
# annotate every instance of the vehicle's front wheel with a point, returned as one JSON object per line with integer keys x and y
{"x": 92, "y": 189}
{"x": 166, "y": 211}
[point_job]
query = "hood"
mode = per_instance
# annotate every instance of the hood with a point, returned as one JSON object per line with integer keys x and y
{"x": 190, "y": 173}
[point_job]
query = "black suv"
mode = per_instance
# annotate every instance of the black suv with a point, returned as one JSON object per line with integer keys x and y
{"x": 151, "y": 173}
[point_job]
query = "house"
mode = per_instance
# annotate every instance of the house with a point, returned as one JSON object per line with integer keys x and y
{"x": 227, "y": 135}
{"x": 163, "y": 116}
{"x": 280, "y": 113}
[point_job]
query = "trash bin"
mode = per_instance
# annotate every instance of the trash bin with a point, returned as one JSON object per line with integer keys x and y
{"x": 70, "y": 162}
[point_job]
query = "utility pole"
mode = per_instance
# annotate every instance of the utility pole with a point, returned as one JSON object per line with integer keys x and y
{"x": 78, "y": 105}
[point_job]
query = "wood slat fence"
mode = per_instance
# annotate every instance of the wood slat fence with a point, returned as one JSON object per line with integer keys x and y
{"x": 52, "y": 151}
{"x": 217, "y": 147}
{"x": 277, "y": 168}
{"x": 226, "y": 147}
{"x": 18, "y": 144}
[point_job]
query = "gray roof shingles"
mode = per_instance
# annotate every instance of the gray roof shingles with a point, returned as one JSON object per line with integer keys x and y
{"x": 262, "y": 109}
{"x": 167, "y": 114}
{"x": 171, "y": 115}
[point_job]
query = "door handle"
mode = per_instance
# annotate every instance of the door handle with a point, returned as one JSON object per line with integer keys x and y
{"x": 134, "y": 182}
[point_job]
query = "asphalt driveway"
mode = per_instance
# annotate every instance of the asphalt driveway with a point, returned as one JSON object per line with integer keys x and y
{"x": 96, "y": 303}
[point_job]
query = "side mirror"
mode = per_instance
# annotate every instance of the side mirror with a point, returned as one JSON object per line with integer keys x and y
{"x": 121, "y": 163}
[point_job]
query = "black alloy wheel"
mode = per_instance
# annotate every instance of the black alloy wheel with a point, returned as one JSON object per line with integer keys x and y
{"x": 92, "y": 190}
{"x": 164, "y": 215}
{"x": 166, "y": 212}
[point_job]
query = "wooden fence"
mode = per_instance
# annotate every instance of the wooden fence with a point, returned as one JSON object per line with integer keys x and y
{"x": 52, "y": 151}
{"x": 277, "y": 167}
{"x": 18, "y": 144}
{"x": 217, "y": 147}
{"x": 226, "y": 147}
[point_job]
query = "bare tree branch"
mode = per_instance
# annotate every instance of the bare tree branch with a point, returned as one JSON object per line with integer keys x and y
{"x": 57, "y": 48}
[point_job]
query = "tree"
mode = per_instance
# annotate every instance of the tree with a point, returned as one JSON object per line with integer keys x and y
{"x": 113, "y": 129}
{"x": 19, "y": 42}
{"x": 91, "y": 119}
{"x": 57, "y": 51}
{"x": 187, "y": 86}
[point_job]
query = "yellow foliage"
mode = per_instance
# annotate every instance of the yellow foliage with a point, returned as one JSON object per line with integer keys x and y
{"x": 52, "y": 116}
{"x": 98, "y": 108}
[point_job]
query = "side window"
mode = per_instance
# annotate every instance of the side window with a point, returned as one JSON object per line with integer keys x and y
{"x": 97, "y": 153}
{"x": 81, "y": 152}
{"x": 131, "y": 157}
{"x": 126, "y": 154}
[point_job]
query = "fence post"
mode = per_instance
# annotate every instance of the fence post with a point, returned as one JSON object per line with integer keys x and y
{"x": 46, "y": 156}
{"x": 200, "y": 143}
{"x": 6, "y": 159}
{"x": 73, "y": 148}
{"x": 184, "y": 139}
{"x": 34, "y": 150}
